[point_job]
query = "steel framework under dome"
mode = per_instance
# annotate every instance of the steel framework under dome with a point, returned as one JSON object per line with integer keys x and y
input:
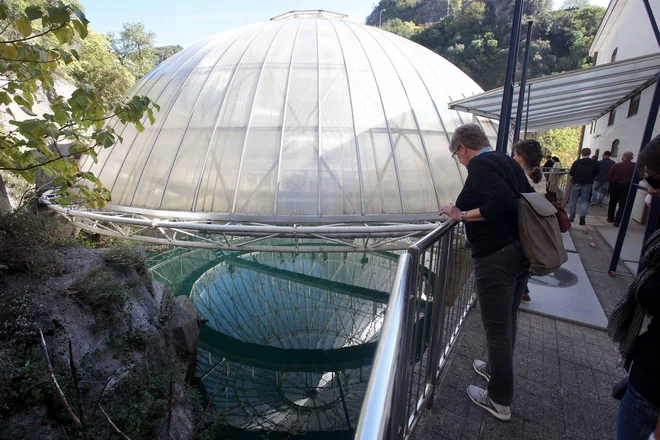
{"x": 308, "y": 119}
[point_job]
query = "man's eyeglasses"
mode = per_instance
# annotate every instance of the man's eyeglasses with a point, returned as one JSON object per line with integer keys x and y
{"x": 454, "y": 155}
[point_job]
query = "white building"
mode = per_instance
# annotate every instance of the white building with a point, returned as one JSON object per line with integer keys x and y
{"x": 624, "y": 33}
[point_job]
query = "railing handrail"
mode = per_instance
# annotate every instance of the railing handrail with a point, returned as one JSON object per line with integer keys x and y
{"x": 376, "y": 415}
{"x": 432, "y": 237}
{"x": 377, "y": 411}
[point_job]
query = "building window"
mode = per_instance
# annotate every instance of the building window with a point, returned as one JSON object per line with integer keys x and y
{"x": 634, "y": 104}
{"x": 614, "y": 55}
{"x": 610, "y": 120}
{"x": 595, "y": 58}
{"x": 614, "y": 151}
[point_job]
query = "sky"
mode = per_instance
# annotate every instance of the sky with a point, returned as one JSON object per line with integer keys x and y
{"x": 185, "y": 22}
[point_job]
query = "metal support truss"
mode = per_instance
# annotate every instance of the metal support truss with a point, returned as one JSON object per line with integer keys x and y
{"x": 246, "y": 237}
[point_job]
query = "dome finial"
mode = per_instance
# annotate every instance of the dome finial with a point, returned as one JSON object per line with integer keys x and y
{"x": 310, "y": 13}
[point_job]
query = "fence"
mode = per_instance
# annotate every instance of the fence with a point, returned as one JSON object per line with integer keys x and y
{"x": 432, "y": 294}
{"x": 559, "y": 182}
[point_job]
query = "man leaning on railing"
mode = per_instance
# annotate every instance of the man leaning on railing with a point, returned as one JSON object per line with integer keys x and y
{"x": 488, "y": 205}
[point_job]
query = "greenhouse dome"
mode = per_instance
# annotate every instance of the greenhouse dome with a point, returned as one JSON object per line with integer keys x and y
{"x": 305, "y": 118}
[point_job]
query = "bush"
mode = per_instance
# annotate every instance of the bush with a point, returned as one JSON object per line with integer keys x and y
{"x": 101, "y": 291}
{"x": 27, "y": 242}
{"x": 126, "y": 255}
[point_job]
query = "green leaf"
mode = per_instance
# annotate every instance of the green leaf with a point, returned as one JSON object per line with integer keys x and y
{"x": 3, "y": 12}
{"x": 139, "y": 127}
{"x": 81, "y": 28}
{"x": 59, "y": 14}
{"x": 34, "y": 12}
{"x": 8, "y": 110}
{"x": 3, "y": 66}
{"x": 23, "y": 26}
{"x": 80, "y": 15}
{"x": 150, "y": 114}
{"x": 67, "y": 57}
{"x": 64, "y": 35}
{"x": 9, "y": 51}
{"x": 75, "y": 54}
{"x": 5, "y": 100}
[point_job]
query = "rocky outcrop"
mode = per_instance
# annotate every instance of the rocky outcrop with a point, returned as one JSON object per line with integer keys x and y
{"x": 125, "y": 333}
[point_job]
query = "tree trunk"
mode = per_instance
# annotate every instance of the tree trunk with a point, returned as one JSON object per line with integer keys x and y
{"x": 5, "y": 206}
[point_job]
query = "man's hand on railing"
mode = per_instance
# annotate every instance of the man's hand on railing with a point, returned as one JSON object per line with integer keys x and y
{"x": 451, "y": 211}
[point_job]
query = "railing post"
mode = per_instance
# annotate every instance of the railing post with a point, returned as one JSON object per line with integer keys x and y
{"x": 402, "y": 398}
{"x": 438, "y": 315}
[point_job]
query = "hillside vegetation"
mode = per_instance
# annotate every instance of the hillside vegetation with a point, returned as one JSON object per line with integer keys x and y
{"x": 475, "y": 35}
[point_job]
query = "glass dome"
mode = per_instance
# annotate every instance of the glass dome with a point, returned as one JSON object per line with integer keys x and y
{"x": 305, "y": 118}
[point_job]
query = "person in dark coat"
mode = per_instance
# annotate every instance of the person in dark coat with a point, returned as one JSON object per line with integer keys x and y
{"x": 620, "y": 177}
{"x": 488, "y": 205}
{"x": 639, "y": 412}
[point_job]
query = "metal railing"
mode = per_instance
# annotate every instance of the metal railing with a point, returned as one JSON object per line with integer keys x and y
{"x": 559, "y": 182}
{"x": 432, "y": 294}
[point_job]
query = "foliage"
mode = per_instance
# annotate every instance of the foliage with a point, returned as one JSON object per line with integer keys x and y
{"x": 140, "y": 399}
{"x": 164, "y": 52}
{"x": 574, "y": 4}
{"x": 30, "y": 57}
{"x": 404, "y": 29}
{"x": 98, "y": 69}
{"x": 432, "y": 11}
{"x": 563, "y": 143}
{"x": 17, "y": 188}
{"x": 124, "y": 254}
{"x": 135, "y": 47}
{"x": 27, "y": 242}
{"x": 476, "y": 37}
{"x": 101, "y": 291}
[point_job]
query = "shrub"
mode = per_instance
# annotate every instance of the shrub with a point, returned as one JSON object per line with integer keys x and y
{"x": 126, "y": 255}
{"x": 100, "y": 290}
{"x": 27, "y": 242}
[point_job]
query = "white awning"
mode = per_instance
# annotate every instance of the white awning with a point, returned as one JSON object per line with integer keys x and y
{"x": 571, "y": 98}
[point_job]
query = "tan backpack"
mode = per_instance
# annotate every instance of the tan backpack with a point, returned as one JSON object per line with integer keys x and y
{"x": 540, "y": 236}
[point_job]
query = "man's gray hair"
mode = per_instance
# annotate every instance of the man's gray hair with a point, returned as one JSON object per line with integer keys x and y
{"x": 470, "y": 135}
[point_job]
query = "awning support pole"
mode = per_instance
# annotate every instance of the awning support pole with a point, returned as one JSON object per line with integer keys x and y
{"x": 652, "y": 221}
{"x": 509, "y": 81}
{"x": 529, "y": 93}
{"x": 523, "y": 83}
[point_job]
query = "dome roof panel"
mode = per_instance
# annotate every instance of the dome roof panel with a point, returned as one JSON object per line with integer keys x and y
{"x": 305, "y": 118}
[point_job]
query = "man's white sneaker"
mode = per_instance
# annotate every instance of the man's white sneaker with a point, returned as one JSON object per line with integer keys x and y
{"x": 481, "y": 368}
{"x": 480, "y": 397}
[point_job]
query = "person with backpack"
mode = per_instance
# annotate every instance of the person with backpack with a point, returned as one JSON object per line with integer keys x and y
{"x": 583, "y": 171}
{"x": 488, "y": 205}
{"x": 528, "y": 154}
{"x": 639, "y": 412}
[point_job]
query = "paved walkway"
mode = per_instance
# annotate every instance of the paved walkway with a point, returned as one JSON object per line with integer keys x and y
{"x": 563, "y": 372}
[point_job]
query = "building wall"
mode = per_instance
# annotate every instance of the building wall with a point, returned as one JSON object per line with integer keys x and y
{"x": 626, "y": 28}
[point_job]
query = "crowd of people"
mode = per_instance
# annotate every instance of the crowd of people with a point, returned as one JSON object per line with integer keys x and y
{"x": 488, "y": 205}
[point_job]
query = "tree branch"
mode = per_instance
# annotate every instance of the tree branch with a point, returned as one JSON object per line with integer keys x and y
{"x": 65, "y": 156}
{"x": 34, "y": 36}
{"x": 208, "y": 405}
{"x": 57, "y": 385}
{"x": 29, "y": 61}
{"x": 112, "y": 424}
{"x": 76, "y": 385}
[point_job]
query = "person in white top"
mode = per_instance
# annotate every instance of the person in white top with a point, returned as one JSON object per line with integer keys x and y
{"x": 529, "y": 154}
